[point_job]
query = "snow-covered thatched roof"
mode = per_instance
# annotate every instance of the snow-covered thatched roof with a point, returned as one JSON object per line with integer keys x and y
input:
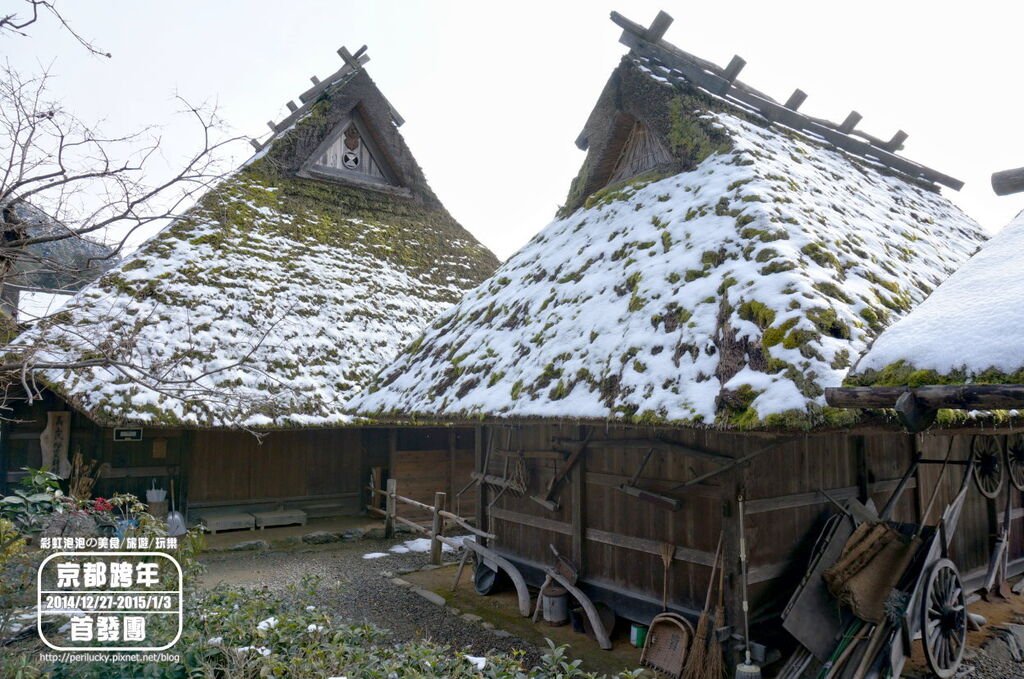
{"x": 725, "y": 287}
{"x": 970, "y": 330}
{"x": 279, "y": 295}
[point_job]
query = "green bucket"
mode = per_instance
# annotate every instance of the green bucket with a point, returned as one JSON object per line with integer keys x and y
{"x": 637, "y": 635}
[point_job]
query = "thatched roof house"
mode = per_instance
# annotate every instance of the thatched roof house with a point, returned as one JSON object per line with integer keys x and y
{"x": 652, "y": 364}
{"x": 709, "y": 268}
{"x": 267, "y": 306}
{"x": 275, "y": 299}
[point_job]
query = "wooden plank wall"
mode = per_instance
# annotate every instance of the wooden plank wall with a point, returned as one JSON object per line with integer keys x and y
{"x": 235, "y": 466}
{"x": 132, "y": 465}
{"x": 615, "y": 538}
{"x": 427, "y": 461}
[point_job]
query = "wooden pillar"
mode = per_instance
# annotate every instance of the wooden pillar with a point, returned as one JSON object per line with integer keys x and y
{"x": 435, "y": 529}
{"x": 451, "y": 465}
{"x": 392, "y": 451}
{"x": 731, "y": 489}
{"x": 481, "y": 488}
{"x": 389, "y": 519}
{"x": 919, "y": 489}
{"x": 863, "y": 473}
{"x": 578, "y": 508}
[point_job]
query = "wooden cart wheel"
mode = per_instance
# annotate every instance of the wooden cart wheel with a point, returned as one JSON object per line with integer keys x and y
{"x": 1015, "y": 460}
{"x": 989, "y": 469}
{"x": 944, "y": 619}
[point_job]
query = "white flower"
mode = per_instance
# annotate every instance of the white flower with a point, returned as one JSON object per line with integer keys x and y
{"x": 269, "y": 623}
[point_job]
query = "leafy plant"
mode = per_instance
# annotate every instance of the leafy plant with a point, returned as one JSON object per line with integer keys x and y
{"x": 36, "y": 498}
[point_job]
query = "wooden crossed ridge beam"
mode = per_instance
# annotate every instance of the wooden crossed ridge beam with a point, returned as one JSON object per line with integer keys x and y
{"x": 648, "y": 42}
{"x": 353, "y": 62}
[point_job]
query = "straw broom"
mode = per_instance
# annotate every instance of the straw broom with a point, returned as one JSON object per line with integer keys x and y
{"x": 715, "y": 665}
{"x": 696, "y": 659}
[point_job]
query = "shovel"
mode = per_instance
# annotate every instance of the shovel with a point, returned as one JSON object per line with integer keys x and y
{"x": 175, "y": 521}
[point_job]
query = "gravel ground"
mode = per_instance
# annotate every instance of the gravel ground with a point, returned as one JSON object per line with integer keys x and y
{"x": 356, "y": 590}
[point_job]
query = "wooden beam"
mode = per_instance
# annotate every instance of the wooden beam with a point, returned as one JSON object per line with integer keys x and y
{"x": 896, "y": 143}
{"x": 560, "y": 527}
{"x": 955, "y": 397}
{"x": 292, "y": 106}
{"x": 481, "y": 490}
{"x": 653, "y": 485}
{"x": 732, "y": 71}
{"x": 851, "y": 122}
{"x": 653, "y": 547}
{"x": 656, "y": 31}
{"x": 1008, "y": 181}
{"x": 313, "y": 79}
{"x": 863, "y": 473}
{"x": 256, "y": 144}
{"x": 711, "y": 78}
{"x": 436, "y": 526}
{"x": 578, "y": 508}
{"x": 816, "y": 497}
{"x": 272, "y": 125}
{"x": 658, "y": 444}
{"x": 863, "y": 397}
{"x": 796, "y": 100}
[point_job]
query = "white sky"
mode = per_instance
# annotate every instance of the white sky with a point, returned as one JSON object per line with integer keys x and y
{"x": 494, "y": 95}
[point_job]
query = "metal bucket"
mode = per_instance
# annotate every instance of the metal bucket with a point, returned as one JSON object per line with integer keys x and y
{"x": 556, "y": 606}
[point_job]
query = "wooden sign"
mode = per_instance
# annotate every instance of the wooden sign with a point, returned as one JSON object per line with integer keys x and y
{"x": 127, "y": 433}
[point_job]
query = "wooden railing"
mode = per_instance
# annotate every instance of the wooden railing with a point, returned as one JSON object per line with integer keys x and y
{"x": 440, "y": 519}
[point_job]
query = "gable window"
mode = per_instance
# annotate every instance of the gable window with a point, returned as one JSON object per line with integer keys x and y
{"x": 349, "y": 153}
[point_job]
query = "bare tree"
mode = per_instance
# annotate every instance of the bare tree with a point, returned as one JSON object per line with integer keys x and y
{"x": 87, "y": 183}
{"x": 62, "y": 179}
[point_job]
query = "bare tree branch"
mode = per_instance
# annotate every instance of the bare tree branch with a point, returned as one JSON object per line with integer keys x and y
{"x": 13, "y": 24}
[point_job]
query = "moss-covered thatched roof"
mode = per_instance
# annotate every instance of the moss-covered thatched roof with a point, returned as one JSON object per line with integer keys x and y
{"x": 276, "y": 298}
{"x": 726, "y": 288}
{"x": 969, "y": 331}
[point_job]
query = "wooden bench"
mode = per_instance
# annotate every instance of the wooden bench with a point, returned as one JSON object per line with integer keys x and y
{"x": 279, "y": 517}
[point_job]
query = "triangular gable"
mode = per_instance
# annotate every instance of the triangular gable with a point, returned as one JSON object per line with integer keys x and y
{"x": 643, "y": 151}
{"x": 349, "y": 153}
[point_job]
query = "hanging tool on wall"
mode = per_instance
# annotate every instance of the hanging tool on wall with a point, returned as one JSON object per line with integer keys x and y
{"x": 550, "y": 499}
{"x": 646, "y": 495}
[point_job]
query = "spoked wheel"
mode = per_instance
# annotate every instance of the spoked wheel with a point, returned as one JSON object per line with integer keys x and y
{"x": 944, "y": 620}
{"x": 1015, "y": 460}
{"x": 989, "y": 469}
